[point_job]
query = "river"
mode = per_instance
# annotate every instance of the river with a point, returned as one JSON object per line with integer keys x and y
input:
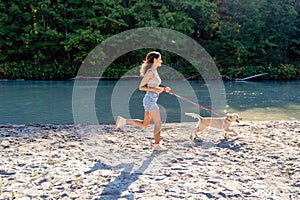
{"x": 54, "y": 102}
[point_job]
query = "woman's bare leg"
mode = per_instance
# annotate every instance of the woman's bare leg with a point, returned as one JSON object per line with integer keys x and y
{"x": 155, "y": 115}
{"x": 141, "y": 123}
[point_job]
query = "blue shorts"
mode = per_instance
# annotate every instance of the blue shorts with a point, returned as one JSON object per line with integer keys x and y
{"x": 149, "y": 101}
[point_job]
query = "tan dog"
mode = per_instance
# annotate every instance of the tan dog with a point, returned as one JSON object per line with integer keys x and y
{"x": 222, "y": 123}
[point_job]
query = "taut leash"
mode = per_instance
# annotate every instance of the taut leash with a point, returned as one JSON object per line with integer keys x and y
{"x": 196, "y": 104}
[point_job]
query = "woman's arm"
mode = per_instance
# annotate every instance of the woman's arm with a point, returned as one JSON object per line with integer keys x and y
{"x": 143, "y": 85}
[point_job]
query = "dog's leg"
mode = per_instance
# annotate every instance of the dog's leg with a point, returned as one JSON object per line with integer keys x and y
{"x": 194, "y": 134}
{"x": 197, "y": 130}
{"x": 229, "y": 130}
{"x": 225, "y": 135}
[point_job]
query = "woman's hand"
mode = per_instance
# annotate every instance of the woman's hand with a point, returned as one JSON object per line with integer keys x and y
{"x": 167, "y": 89}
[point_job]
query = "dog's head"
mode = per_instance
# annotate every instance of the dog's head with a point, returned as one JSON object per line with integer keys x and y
{"x": 234, "y": 117}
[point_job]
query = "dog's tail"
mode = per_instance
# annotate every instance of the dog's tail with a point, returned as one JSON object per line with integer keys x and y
{"x": 194, "y": 115}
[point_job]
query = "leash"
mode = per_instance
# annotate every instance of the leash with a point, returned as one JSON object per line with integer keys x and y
{"x": 189, "y": 101}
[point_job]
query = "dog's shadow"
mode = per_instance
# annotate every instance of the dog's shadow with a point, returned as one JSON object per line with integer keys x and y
{"x": 226, "y": 144}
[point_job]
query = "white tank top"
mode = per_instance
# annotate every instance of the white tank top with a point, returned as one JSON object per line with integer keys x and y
{"x": 155, "y": 81}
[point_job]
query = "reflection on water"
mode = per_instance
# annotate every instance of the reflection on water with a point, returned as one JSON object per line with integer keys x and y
{"x": 266, "y": 100}
{"x": 30, "y": 102}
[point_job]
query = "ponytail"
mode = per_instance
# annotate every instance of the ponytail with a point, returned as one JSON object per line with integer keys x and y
{"x": 149, "y": 60}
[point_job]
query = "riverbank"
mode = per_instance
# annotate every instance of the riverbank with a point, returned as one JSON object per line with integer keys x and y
{"x": 96, "y": 162}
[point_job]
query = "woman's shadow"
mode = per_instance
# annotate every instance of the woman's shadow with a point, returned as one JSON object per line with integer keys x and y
{"x": 121, "y": 183}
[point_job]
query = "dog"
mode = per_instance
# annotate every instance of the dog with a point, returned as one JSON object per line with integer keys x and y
{"x": 221, "y": 123}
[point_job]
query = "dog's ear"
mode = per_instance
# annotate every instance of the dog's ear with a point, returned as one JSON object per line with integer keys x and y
{"x": 229, "y": 117}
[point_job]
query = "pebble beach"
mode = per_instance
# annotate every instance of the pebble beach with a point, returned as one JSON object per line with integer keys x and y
{"x": 49, "y": 161}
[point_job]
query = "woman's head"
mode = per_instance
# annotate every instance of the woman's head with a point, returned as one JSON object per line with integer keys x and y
{"x": 151, "y": 58}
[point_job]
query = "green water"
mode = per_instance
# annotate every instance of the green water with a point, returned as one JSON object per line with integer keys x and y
{"x": 32, "y": 102}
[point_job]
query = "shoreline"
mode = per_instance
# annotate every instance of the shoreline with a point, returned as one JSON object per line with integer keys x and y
{"x": 47, "y": 161}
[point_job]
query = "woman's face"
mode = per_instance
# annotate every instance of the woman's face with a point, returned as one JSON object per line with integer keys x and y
{"x": 158, "y": 61}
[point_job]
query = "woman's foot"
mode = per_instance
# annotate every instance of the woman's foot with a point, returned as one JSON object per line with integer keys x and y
{"x": 120, "y": 122}
{"x": 159, "y": 147}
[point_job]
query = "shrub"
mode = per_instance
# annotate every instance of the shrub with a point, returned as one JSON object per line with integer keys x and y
{"x": 29, "y": 70}
{"x": 282, "y": 71}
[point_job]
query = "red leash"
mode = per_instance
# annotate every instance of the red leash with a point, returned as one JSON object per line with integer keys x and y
{"x": 198, "y": 105}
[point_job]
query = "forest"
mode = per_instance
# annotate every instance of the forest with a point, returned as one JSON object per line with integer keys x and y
{"x": 49, "y": 39}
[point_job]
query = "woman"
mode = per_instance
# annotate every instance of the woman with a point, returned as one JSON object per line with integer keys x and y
{"x": 150, "y": 83}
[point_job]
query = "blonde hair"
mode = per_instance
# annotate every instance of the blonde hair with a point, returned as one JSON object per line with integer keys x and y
{"x": 149, "y": 60}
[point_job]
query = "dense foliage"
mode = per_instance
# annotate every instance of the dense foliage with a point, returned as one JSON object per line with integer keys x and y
{"x": 49, "y": 39}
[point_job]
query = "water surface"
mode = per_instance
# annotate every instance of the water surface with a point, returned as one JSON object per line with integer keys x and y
{"x": 32, "y": 102}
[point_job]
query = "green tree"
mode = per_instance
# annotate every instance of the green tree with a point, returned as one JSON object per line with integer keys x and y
{"x": 49, "y": 39}
{"x": 254, "y": 33}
